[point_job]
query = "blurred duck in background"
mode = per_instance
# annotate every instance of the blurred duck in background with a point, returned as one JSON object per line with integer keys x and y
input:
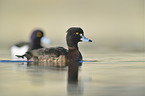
{"x": 35, "y": 43}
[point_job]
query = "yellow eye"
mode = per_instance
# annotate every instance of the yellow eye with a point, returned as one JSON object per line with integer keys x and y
{"x": 39, "y": 34}
{"x": 77, "y": 33}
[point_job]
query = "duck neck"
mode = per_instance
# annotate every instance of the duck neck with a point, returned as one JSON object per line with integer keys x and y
{"x": 74, "y": 53}
{"x": 72, "y": 46}
{"x": 36, "y": 44}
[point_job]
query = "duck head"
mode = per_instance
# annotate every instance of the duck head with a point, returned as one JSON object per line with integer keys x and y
{"x": 75, "y": 35}
{"x": 37, "y": 37}
{"x": 37, "y": 34}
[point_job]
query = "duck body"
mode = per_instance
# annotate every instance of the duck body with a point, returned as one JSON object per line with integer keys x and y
{"x": 35, "y": 43}
{"x": 53, "y": 55}
{"x": 19, "y": 48}
{"x": 59, "y": 54}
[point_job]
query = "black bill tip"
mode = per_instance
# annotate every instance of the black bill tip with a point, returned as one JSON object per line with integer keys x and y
{"x": 90, "y": 40}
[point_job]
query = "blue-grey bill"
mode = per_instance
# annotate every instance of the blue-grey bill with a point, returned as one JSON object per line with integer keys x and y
{"x": 85, "y": 39}
{"x": 45, "y": 40}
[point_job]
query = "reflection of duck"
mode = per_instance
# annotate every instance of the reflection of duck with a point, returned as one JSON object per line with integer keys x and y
{"x": 35, "y": 42}
{"x": 73, "y": 68}
{"x": 74, "y": 87}
{"x": 60, "y": 54}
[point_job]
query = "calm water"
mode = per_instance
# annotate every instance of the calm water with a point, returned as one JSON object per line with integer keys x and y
{"x": 114, "y": 74}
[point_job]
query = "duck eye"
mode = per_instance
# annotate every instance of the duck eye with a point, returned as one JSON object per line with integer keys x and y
{"x": 39, "y": 34}
{"x": 77, "y": 33}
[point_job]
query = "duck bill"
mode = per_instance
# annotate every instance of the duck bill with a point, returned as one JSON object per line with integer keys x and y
{"x": 45, "y": 40}
{"x": 85, "y": 39}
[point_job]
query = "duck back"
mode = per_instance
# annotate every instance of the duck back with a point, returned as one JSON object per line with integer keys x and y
{"x": 44, "y": 54}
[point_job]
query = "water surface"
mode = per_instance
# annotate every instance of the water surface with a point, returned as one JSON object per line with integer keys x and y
{"x": 114, "y": 74}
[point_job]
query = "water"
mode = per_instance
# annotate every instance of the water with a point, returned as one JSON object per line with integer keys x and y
{"x": 114, "y": 74}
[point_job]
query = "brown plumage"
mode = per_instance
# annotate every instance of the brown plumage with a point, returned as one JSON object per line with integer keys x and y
{"x": 59, "y": 55}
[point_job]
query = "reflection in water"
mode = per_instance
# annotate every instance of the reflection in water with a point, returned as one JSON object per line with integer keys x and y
{"x": 105, "y": 78}
{"x": 40, "y": 73}
{"x": 74, "y": 87}
{"x": 73, "y": 71}
{"x": 42, "y": 66}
